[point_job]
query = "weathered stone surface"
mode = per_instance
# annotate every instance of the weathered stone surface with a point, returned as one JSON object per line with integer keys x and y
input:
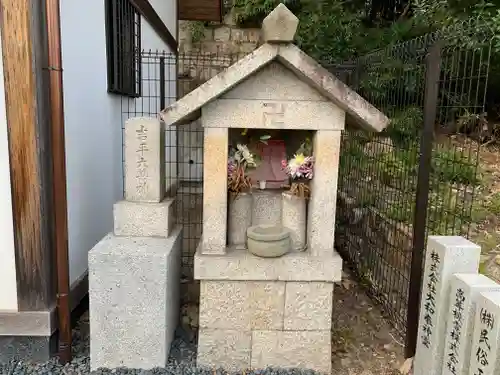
{"x": 294, "y": 217}
{"x": 323, "y": 201}
{"x": 247, "y": 47}
{"x": 242, "y": 305}
{"x": 219, "y": 84}
{"x": 361, "y": 111}
{"x": 242, "y": 265}
{"x": 144, "y": 160}
{"x": 134, "y": 300}
{"x": 486, "y": 337}
{"x": 308, "y": 306}
{"x": 274, "y": 82}
{"x": 292, "y": 349}
{"x": 222, "y": 34}
{"x": 240, "y": 219}
{"x": 252, "y": 35}
{"x": 143, "y": 219}
{"x": 268, "y": 241}
{"x": 266, "y": 209}
{"x": 272, "y": 114}
{"x": 229, "y": 349}
{"x": 280, "y": 25}
{"x": 306, "y": 68}
{"x": 445, "y": 256}
{"x": 215, "y": 191}
{"x": 464, "y": 292}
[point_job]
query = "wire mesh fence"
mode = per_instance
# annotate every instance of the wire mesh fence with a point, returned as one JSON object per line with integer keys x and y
{"x": 419, "y": 176}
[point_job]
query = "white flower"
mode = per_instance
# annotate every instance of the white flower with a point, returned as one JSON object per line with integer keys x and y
{"x": 243, "y": 155}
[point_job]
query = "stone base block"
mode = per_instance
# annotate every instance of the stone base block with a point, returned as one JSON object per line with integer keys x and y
{"x": 292, "y": 349}
{"x": 227, "y": 349}
{"x": 241, "y": 305}
{"x": 237, "y": 350}
{"x": 308, "y": 306}
{"x": 244, "y": 266}
{"x": 134, "y": 300}
{"x": 144, "y": 219}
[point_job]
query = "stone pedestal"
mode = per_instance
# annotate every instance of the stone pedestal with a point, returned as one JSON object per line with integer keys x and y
{"x": 134, "y": 294}
{"x": 134, "y": 272}
{"x": 259, "y": 312}
{"x": 294, "y": 217}
{"x": 239, "y": 219}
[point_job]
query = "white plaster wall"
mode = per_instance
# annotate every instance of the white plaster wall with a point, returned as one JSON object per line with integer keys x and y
{"x": 8, "y": 284}
{"x": 93, "y": 123}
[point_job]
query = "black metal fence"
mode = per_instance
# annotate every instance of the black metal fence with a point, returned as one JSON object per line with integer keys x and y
{"x": 419, "y": 176}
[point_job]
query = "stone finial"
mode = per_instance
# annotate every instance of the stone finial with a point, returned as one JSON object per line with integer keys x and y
{"x": 280, "y": 25}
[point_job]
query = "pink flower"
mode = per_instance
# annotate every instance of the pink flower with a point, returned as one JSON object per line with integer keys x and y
{"x": 231, "y": 167}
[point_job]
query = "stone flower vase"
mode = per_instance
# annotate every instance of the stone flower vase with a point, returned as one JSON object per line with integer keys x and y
{"x": 239, "y": 218}
{"x": 294, "y": 217}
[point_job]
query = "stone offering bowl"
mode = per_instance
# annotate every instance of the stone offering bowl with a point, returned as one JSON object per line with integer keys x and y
{"x": 268, "y": 241}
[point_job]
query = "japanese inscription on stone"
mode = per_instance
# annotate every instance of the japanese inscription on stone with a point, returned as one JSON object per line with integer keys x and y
{"x": 144, "y": 160}
{"x": 483, "y": 351}
{"x": 142, "y": 163}
{"x": 430, "y": 301}
{"x": 457, "y": 324}
{"x": 273, "y": 114}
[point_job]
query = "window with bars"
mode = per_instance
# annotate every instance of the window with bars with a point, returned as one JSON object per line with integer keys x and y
{"x": 123, "y": 46}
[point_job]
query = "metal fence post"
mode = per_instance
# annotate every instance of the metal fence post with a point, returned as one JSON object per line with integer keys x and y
{"x": 433, "y": 71}
{"x": 162, "y": 83}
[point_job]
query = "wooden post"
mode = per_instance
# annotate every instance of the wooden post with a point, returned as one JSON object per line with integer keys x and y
{"x": 29, "y": 148}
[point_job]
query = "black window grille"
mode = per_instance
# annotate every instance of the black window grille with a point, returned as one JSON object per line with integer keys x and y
{"x": 123, "y": 46}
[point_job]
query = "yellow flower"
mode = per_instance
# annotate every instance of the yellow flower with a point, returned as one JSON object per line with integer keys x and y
{"x": 299, "y": 158}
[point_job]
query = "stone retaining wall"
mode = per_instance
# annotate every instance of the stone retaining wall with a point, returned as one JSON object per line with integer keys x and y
{"x": 220, "y": 46}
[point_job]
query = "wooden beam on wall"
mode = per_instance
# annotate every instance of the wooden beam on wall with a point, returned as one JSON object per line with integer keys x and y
{"x": 200, "y": 10}
{"x": 24, "y": 56}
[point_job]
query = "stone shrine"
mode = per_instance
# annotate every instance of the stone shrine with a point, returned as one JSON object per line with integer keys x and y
{"x": 258, "y": 311}
{"x": 134, "y": 272}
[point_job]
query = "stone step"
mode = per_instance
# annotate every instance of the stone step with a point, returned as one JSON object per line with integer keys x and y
{"x": 134, "y": 300}
{"x": 139, "y": 219}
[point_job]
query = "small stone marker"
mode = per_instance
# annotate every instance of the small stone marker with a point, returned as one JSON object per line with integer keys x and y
{"x": 280, "y": 25}
{"x": 464, "y": 291}
{"x": 445, "y": 256}
{"x": 144, "y": 160}
{"x": 486, "y": 338}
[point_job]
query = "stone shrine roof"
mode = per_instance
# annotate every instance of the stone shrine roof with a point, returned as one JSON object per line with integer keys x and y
{"x": 279, "y": 29}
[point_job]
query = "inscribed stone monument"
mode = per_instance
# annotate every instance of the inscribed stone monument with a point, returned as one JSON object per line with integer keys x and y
{"x": 134, "y": 272}
{"x": 445, "y": 256}
{"x": 144, "y": 160}
{"x": 464, "y": 290}
{"x": 485, "y": 353}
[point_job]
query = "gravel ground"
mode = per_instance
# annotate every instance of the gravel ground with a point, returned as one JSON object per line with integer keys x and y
{"x": 362, "y": 344}
{"x": 181, "y": 362}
